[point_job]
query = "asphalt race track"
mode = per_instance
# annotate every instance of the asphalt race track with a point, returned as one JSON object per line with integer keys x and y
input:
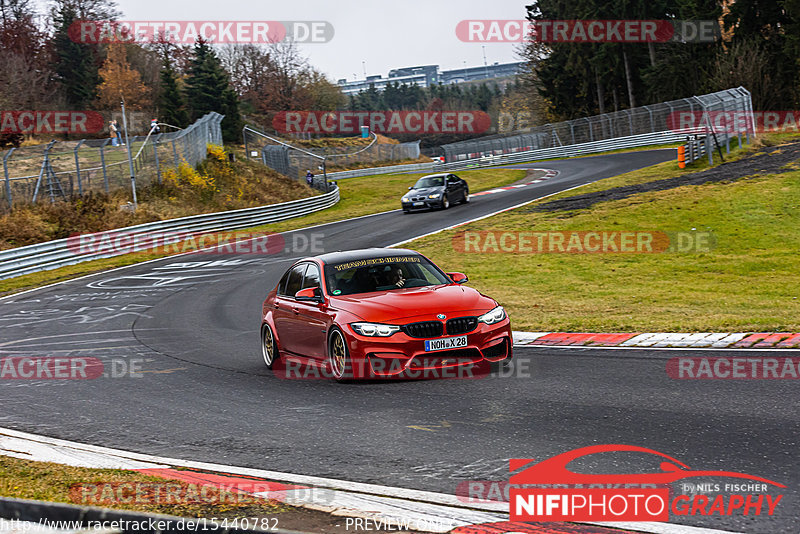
{"x": 188, "y": 326}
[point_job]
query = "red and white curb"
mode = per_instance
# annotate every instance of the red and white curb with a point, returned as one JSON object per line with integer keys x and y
{"x": 716, "y": 340}
{"x": 548, "y": 173}
{"x": 385, "y": 506}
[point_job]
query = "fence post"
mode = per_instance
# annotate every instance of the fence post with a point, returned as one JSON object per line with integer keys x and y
{"x": 652, "y": 123}
{"x": 246, "y": 147}
{"x": 103, "y": 163}
{"x": 155, "y": 156}
{"x": 175, "y": 152}
{"x": 78, "y": 167}
{"x": 728, "y": 133}
{"x": 8, "y": 180}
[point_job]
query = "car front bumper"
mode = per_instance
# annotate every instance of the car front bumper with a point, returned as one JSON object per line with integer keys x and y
{"x": 405, "y": 357}
{"x": 428, "y": 203}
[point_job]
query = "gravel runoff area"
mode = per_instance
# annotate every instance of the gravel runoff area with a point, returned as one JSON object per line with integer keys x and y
{"x": 769, "y": 160}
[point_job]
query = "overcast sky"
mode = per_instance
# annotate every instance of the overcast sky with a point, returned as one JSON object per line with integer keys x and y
{"x": 383, "y": 34}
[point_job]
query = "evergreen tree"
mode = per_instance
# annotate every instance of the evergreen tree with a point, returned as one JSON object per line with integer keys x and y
{"x": 172, "y": 107}
{"x": 208, "y": 89}
{"x": 75, "y": 63}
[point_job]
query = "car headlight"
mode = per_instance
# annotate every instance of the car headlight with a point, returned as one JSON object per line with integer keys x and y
{"x": 406, "y": 199}
{"x": 494, "y": 316}
{"x": 435, "y": 195}
{"x": 375, "y": 329}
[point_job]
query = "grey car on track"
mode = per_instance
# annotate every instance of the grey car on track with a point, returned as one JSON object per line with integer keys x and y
{"x": 435, "y": 191}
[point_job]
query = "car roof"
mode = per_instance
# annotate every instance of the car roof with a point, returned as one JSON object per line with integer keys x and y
{"x": 443, "y": 174}
{"x": 363, "y": 254}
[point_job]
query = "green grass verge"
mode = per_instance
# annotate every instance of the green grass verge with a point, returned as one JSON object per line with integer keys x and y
{"x": 746, "y": 282}
{"x": 359, "y": 196}
{"x": 44, "y": 481}
{"x": 374, "y": 194}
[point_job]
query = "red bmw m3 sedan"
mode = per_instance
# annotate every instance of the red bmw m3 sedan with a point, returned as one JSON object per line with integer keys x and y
{"x": 380, "y": 313}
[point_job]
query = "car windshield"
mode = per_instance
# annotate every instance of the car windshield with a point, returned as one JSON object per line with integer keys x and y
{"x": 429, "y": 181}
{"x": 382, "y": 274}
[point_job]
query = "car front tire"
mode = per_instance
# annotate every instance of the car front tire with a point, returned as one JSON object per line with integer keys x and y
{"x": 445, "y": 202}
{"x": 338, "y": 356}
{"x": 269, "y": 348}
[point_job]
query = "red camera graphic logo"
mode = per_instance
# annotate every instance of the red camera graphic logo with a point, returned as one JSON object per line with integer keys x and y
{"x": 610, "y": 497}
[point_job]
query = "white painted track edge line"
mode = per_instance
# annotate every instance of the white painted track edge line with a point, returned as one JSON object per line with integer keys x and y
{"x": 343, "y": 485}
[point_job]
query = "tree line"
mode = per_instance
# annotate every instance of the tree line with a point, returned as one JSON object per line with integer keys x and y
{"x": 44, "y": 68}
{"x": 758, "y": 48}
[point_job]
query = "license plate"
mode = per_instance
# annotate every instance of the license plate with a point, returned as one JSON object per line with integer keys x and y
{"x": 418, "y": 203}
{"x": 445, "y": 343}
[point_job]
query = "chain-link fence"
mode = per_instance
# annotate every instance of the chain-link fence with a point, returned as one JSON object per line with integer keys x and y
{"x": 64, "y": 168}
{"x": 294, "y": 161}
{"x": 690, "y": 115}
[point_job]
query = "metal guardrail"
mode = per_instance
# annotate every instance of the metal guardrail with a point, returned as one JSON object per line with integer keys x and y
{"x": 657, "y": 138}
{"x": 54, "y": 254}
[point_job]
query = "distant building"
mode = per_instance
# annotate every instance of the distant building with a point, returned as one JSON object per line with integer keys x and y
{"x": 427, "y": 75}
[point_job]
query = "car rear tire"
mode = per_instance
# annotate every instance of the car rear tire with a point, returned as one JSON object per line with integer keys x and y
{"x": 466, "y": 197}
{"x": 269, "y": 349}
{"x": 339, "y": 357}
{"x": 445, "y": 202}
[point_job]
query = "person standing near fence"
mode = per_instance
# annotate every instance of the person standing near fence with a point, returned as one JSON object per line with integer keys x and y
{"x": 309, "y": 177}
{"x": 114, "y": 131}
{"x": 154, "y": 127}
{"x": 119, "y": 133}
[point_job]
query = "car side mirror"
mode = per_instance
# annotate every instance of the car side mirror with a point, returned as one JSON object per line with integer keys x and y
{"x": 309, "y": 294}
{"x": 458, "y": 278}
{"x": 410, "y": 187}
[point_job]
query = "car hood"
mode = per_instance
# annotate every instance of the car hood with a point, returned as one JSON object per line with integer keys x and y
{"x": 415, "y": 304}
{"x": 425, "y": 191}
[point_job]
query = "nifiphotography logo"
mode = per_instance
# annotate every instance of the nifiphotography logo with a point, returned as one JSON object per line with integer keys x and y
{"x": 550, "y": 491}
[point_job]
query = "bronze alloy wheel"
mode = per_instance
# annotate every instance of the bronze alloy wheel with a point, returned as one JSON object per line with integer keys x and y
{"x": 268, "y": 348}
{"x": 337, "y": 354}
